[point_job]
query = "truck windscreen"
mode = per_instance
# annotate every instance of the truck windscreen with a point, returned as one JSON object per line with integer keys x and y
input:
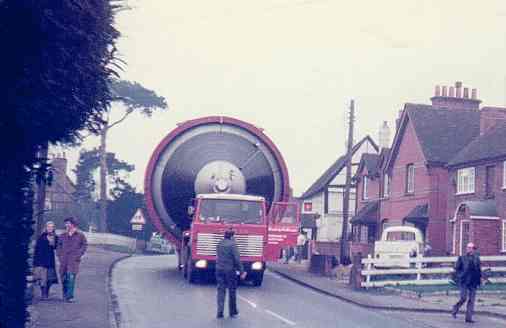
{"x": 231, "y": 211}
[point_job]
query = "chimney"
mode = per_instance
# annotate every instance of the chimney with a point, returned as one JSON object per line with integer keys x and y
{"x": 384, "y": 135}
{"x": 455, "y": 98}
{"x": 458, "y": 87}
{"x": 59, "y": 164}
{"x": 452, "y": 92}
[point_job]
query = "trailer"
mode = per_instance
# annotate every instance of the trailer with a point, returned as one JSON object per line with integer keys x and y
{"x": 215, "y": 173}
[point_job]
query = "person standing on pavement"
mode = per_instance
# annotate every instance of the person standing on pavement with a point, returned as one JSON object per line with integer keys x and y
{"x": 468, "y": 278}
{"x": 301, "y": 241}
{"x": 228, "y": 264}
{"x": 44, "y": 260}
{"x": 71, "y": 247}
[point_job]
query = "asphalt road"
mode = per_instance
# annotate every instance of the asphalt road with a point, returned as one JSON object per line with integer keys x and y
{"x": 152, "y": 294}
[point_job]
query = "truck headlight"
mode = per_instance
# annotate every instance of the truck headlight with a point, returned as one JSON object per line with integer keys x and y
{"x": 201, "y": 264}
{"x": 257, "y": 266}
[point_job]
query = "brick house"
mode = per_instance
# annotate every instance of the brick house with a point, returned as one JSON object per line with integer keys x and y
{"x": 477, "y": 195}
{"x": 324, "y": 198}
{"x": 412, "y": 184}
{"x": 370, "y": 189}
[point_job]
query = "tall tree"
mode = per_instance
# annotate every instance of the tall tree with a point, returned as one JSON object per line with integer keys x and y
{"x": 134, "y": 98}
{"x": 54, "y": 81}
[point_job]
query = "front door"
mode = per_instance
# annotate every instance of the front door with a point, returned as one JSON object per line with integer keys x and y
{"x": 283, "y": 228}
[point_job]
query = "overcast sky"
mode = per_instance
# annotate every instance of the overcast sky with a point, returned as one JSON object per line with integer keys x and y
{"x": 291, "y": 67}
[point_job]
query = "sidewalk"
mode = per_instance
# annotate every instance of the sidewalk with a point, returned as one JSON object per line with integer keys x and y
{"x": 494, "y": 305}
{"x": 92, "y": 306}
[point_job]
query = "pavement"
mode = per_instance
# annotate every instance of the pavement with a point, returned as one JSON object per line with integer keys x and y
{"x": 93, "y": 305}
{"x": 489, "y": 304}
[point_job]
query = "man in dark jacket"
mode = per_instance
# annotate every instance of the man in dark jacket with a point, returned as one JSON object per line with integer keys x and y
{"x": 228, "y": 263}
{"x": 468, "y": 277}
{"x": 71, "y": 247}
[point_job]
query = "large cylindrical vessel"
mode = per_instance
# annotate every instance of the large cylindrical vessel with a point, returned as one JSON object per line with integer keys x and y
{"x": 210, "y": 155}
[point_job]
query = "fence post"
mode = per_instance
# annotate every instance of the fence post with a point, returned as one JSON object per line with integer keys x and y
{"x": 369, "y": 267}
{"x": 419, "y": 267}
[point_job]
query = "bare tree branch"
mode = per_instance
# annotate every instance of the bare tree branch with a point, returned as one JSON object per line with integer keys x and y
{"x": 127, "y": 113}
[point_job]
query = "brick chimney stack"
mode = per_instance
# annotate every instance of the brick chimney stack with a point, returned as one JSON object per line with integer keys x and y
{"x": 455, "y": 98}
{"x": 384, "y": 135}
{"x": 490, "y": 116}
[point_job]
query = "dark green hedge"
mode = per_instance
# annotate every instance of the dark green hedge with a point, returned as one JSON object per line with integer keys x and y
{"x": 55, "y": 67}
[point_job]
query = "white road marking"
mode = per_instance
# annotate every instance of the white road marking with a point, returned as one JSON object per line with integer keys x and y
{"x": 248, "y": 301}
{"x": 285, "y": 320}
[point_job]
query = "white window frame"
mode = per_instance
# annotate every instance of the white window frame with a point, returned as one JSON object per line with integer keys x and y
{"x": 462, "y": 233}
{"x": 504, "y": 175}
{"x": 410, "y": 179}
{"x": 364, "y": 188}
{"x": 466, "y": 180}
{"x": 386, "y": 186}
{"x": 503, "y": 233}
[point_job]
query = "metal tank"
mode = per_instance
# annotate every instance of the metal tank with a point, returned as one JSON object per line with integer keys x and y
{"x": 210, "y": 155}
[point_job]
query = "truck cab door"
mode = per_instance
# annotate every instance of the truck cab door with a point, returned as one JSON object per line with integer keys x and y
{"x": 283, "y": 228}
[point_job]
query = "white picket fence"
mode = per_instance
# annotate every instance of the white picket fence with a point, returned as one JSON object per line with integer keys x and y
{"x": 421, "y": 266}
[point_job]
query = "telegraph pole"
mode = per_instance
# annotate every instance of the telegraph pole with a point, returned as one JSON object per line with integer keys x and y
{"x": 346, "y": 198}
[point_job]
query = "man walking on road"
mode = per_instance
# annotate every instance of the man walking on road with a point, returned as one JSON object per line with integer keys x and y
{"x": 228, "y": 263}
{"x": 468, "y": 278}
{"x": 72, "y": 245}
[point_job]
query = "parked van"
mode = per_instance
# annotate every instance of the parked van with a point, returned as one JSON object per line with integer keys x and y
{"x": 397, "y": 245}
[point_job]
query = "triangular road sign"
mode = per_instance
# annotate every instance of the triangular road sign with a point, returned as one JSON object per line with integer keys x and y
{"x": 138, "y": 218}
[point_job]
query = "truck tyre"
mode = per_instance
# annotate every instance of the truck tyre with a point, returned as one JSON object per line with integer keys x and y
{"x": 257, "y": 281}
{"x": 191, "y": 273}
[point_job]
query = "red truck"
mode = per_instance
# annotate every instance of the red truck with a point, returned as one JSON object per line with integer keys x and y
{"x": 215, "y": 173}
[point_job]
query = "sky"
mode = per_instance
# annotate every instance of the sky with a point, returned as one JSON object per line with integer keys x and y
{"x": 292, "y": 66}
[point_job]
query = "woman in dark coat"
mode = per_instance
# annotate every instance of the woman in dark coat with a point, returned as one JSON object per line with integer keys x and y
{"x": 44, "y": 259}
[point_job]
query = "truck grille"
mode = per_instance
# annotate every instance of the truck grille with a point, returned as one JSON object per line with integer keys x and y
{"x": 249, "y": 245}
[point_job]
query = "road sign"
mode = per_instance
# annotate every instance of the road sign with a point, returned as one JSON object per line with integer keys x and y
{"x": 137, "y": 227}
{"x": 138, "y": 218}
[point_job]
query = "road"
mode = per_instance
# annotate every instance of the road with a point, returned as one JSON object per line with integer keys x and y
{"x": 152, "y": 294}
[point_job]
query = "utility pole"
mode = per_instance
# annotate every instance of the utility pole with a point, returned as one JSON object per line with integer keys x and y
{"x": 346, "y": 198}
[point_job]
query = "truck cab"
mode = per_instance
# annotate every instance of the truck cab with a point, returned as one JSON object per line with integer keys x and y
{"x": 212, "y": 215}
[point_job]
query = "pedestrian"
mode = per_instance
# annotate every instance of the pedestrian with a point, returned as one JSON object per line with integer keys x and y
{"x": 468, "y": 278}
{"x": 71, "y": 247}
{"x": 228, "y": 265}
{"x": 44, "y": 260}
{"x": 301, "y": 241}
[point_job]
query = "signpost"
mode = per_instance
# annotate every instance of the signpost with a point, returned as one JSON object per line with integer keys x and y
{"x": 138, "y": 221}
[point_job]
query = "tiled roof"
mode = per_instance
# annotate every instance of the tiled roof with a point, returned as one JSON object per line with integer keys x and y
{"x": 333, "y": 171}
{"x": 490, "y": 145}
{"x": 419, "y": 214}
{"x": 367, "y": 214}
{"x": 481, "y": 207}
{"x": 442, "y": 133}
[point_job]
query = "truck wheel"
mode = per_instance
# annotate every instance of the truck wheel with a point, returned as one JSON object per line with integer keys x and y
{"x": 191, "y": 274}
{"x": 257, "y": 281}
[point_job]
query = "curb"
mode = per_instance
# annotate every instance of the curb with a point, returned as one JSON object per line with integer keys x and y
{"x": 377, "y": 307}
{"x": 112, "y": 299}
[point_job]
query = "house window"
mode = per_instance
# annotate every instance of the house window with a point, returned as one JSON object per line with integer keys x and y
{"x": 386, "y": 186}
{"x": 489, "y": 181}
{"x": 504, "y": 174}
{"x": 364, "y": 189}
{"x": 504, "y": 235}
{"x": 410, "y": 179}
{"x": 465, "y": 180}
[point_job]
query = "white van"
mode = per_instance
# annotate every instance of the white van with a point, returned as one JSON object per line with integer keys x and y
{"x": 397, "y": 245}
